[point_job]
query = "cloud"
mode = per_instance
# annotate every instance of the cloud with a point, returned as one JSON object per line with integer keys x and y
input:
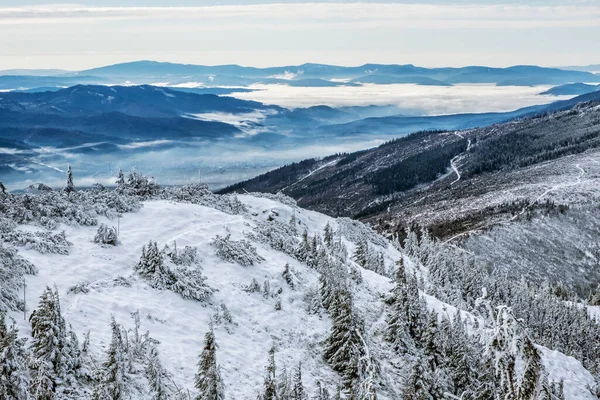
{"x": 432, "y": 100}
{"x": 358, "y": 14}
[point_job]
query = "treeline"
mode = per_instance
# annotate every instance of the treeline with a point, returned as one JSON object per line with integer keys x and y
{"x": 552, "y": 137}
{"x": 417, "y": 169}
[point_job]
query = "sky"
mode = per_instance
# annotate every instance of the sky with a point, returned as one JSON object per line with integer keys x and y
{"x": 44, "y": 34}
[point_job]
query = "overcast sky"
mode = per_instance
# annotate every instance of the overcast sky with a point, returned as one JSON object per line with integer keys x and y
{"x": 45, "y": 34}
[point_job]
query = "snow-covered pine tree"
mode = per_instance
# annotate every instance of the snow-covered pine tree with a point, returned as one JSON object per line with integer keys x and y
{"x": 156, "y": 374}
{"x": 270, "y": 384}
{"x": 342, "y": 346}
{"x": 14, "y": 377}
{"x": 361, "y": 253}
{"x": 328, "y": 235}
{"x": 70, "y": 185}
{"x": 298, "y": 391}
{"x": 42, "y": 385}
{"x": 111, "y": 382}
{"x": 284, "y": 384}
{"x": 321, "y": 392}
{"x": 120, "y": 178}
{"x": 397, "y": 329}
{"x": 433, "y": 348}
{"x": 302, "y": 252}
{"x": 152, "y": 267}
{"x": 190, "y": 284}
{"x": 503, "y": 348}
{"x": 106, "y": 235}
{"x": 326, "y": 287}
{"x": 50, "y": 346}
{"x": 239, "y": 251}
{"x": 287, "y": 275}
{"x": 459, "y": 358}
{"x": 293, "y": 224}
{"x": 146, "y": 267}
{"x": 208, "y": 378}
{"x": 418, "y": 384}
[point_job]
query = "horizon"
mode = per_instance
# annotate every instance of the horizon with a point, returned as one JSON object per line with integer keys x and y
{"x": 260, "y": 33}
{"x": 52, "y": 68}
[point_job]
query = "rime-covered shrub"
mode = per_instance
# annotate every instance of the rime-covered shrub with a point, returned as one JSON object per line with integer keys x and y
{"x": 51, "y": 208}
{"x": 356, "y": 231}
{"x": 43, "y": 242}
{"x": 187, "y": 257}
{"x": 139, "y": 185}
{"x": 199, "y": 193}
{"x": 239, "y": 251}
{"x": 106, "y": 235}
{"x": 190, "y": 284}
{"x": 171, "y": 270}
{"x": 279, "y": 236}
{"x": 12, "y": 271}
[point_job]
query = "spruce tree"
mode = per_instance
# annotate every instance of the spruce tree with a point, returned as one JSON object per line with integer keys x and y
{"x": 303, "y": 250}
{"x": 287, "y": 275}
{"x": 208, "y": 378}
{"x": 418, "y": 383}
{"x": 42, "y": 385}
{"x": 14, "y": 377}
{"x": 115, "y": 364}
{"x": 70, "y": 185}
{"x": 298, "y": 392}
{"x": 397, "y": 330}
{"x": 328, "y": 235}
{"x": 120, "y": 179}
{"x": 284, "y": 384}
{"x": 270, "y": 383}
{"x": 2, "y": 188}
{"x": 155, "y": 374}
{"x": 361, "y": 253}
{"x": 321, "y": 393}
{"x": 293, "y": 224}
{"x": 50, "y": 346}
{"x": 343, "y": 345}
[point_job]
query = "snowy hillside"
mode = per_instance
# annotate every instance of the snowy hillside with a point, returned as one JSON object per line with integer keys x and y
{"x": 180, "y": 324}
{"x": 336, "y": 311}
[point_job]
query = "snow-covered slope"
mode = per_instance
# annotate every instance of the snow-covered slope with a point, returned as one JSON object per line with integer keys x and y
{"x": 180, "y": 324}
{"x": 115, "y": 289}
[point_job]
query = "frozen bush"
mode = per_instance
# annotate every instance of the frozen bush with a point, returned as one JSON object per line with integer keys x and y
{"x": 106, "y": 235}
{"x": 239, "y": 251}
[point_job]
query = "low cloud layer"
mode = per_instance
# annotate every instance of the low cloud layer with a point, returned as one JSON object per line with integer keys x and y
{"x": 430, "y": 100}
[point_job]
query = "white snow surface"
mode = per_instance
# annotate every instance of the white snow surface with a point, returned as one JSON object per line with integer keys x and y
{"x": 180, "y": 324}
{"x": 561, "y": 367}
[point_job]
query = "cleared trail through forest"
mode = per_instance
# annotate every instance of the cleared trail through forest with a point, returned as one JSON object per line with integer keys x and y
{"x": 310, "y": 173}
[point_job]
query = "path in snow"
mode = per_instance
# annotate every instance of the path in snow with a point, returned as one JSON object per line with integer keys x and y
{"x": 309, "y": 174}
{"x": 458, "y": 158}
{"x": 541, "y": 196}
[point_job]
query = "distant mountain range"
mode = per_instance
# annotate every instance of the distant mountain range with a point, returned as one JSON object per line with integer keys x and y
{"x": 307, "y": 75}
{"x": 572, "y": 89}
{"x": 50, "y": 127}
